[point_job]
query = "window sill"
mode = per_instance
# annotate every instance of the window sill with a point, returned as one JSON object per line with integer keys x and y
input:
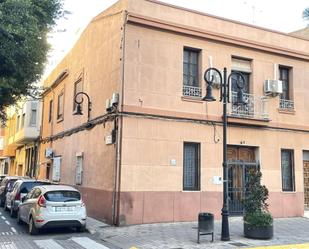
{"x": 191, "y": 191}
{"x": 287, "y": 111}
{"x": 192, "y": 99}
{"x": 289, "y": 192}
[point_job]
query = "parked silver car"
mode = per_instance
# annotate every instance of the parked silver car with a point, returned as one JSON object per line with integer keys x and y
{"x": 52, "y": 206}
{"x": 20, "y": 189}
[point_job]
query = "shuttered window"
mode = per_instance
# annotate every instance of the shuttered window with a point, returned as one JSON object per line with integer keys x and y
{"x": 79, "y": 169}
{"x": 56, "y": 169}
{"x": 191, "y": 166}
{"x": 190, "y": 67}
{"x": 287, "y": 170}
{"x": 284, "y": 77}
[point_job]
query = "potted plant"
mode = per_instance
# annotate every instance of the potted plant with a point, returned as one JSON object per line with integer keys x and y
{"x": 258, "y": 222}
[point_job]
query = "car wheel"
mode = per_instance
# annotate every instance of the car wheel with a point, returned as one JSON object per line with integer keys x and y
{"x": 32, "y": 228}
{"x": 12, "y": 212}
{"x": 19, "y": 221}
{"x": 81, "y": 229}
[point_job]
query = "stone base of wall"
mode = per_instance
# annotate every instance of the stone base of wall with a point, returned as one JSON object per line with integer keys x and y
{"x": 98, "y": 203}
{"x": 152, "y": 207}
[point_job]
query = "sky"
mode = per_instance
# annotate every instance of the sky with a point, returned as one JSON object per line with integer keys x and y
{"x": 280, "y": 15}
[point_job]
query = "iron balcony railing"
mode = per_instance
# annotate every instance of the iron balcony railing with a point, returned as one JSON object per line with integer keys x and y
{"x": 286, "y": 104}
{"x": 192, "y": 91}
{"x": 256, "y": 107}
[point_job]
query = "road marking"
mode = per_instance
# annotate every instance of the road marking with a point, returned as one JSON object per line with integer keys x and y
{"x": 13, "y": 229}
{"x": 7, "y": 222}
{"x": 7, "y": 245}
{"x": 294, "y": 246}
{"x": 3, "y": 217}
{"x": 88, "y": 243}
{"x": 48, "y": 244}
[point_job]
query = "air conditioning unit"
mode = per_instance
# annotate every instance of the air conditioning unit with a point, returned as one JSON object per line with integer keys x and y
{"x": 108, "y": 105}
{"x": 49, "y": 153}
{"x": 273, "y": 87}
{"x": 115, "y": 99}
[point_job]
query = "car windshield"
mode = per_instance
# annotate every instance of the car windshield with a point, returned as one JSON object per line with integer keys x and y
{"x": 62, "y": 196}
{"x": 27, "y": 186}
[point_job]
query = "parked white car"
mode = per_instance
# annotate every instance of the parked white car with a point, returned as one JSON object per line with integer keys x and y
{"x": 52, "y": 206}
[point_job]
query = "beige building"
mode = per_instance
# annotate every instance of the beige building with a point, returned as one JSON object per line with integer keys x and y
{"x": 152, "y": 149}
{"x": 21, "y": 139}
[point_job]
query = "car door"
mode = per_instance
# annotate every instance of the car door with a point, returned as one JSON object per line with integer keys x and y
{"x": 11, "y": 195}
{"x": 24, "y": 207}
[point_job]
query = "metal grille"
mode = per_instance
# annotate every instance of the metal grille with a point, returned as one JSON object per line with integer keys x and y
{"x": 256, "y": 107}
{"x": 191, "y": 166}
{"x": 192, "y": 91}
{"x": 287, "y": 169}
{"x": 286, "y": 104}
{"x": 238, "y": 173}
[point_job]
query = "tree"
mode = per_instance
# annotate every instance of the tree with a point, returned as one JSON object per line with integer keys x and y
{"x": 24, "y": 25}
{"x": 306, "y": 14}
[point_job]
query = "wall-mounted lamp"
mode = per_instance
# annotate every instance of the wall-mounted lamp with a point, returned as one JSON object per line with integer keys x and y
{"x": 78, "y": 110}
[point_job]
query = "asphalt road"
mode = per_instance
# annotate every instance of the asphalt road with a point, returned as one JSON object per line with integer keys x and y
{"x": 15, "y": 236}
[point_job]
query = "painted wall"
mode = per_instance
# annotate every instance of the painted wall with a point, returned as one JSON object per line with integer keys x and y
{"x": 151, "y": 188}
{"x": 96, "y": 60}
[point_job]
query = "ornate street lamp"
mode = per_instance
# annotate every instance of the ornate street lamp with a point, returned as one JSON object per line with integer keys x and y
{"x": 78, "y": 110}
{"x": 209, "y": 77}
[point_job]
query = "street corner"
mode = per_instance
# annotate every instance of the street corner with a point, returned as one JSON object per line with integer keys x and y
{"x": 291, "y": 246}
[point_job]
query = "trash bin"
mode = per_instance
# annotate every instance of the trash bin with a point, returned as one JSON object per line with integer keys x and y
{"x": 205, "y": 225}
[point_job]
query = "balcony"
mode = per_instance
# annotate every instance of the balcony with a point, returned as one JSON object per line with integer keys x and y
{"x": 192, "y": 91}
{"x": 286, "y": 105}
{"x": 256, "y": 107}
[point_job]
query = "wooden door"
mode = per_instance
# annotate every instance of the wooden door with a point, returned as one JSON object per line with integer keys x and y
{"x": 235, "y": 153}
{"x": 241, "y": 160}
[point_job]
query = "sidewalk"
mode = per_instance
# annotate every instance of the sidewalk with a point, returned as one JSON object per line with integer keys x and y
{"x": 183, "y": 235}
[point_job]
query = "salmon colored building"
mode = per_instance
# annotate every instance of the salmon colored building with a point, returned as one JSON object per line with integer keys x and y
{"x": 151, "y": 150}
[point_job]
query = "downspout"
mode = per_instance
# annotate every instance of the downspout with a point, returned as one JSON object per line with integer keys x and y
{"x": 119, "y": 124}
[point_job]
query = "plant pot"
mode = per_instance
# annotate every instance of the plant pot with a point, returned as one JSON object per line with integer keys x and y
{"x": 254, "y": 232}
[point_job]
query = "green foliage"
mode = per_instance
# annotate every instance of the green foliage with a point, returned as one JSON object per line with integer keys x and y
{"x": 255, "y": 201}
{"x": 259, "y": 219}
{"x": 24, "y": 25}
{"x": 306, "y": 14}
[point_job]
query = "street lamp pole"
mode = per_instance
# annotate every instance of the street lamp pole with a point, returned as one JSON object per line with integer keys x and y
{"x": 210, "y": 76}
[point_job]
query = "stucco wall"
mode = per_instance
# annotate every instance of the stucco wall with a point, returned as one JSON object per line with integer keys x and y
{"x": 96, "y": 58}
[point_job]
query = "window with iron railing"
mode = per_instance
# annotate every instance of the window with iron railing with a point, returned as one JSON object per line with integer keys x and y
{"x": 191, "y": 86}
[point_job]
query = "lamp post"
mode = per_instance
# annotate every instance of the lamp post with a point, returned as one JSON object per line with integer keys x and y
{"x": 79, "y": 102}
{"x": 209, "y": 77}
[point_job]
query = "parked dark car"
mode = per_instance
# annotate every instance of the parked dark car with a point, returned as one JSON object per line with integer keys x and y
{"x": 7, "y": 186}
{"x": 21, "y": 188}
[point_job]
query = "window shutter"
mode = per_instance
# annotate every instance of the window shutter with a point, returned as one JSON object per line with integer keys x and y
{"x": 241, "y": 65}
{"x": 56, "y": 168}
{"x": 79, "y": 170}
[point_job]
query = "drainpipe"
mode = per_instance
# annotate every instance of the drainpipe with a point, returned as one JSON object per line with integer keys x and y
{"x": 118, "y": 126}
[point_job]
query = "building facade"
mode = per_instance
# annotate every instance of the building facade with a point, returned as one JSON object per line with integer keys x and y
{"x": 151, "y": 149}
{"x": 21, "y": 140}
